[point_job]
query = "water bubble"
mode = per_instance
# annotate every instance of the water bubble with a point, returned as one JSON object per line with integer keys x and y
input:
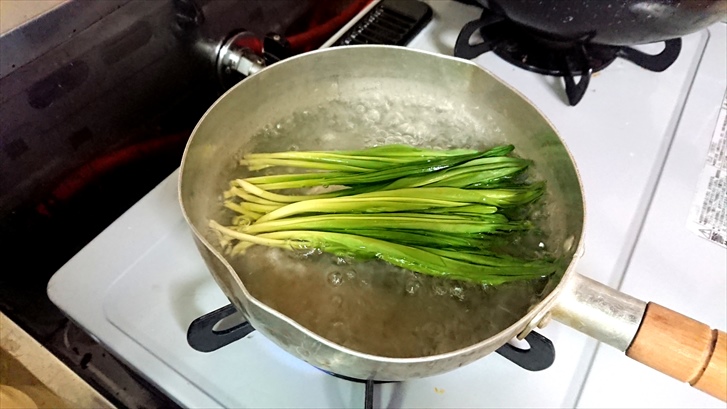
{"x": 304, "y": 253}
{"x": 408, "y": 128}
{"x": 335, "y": 278}
{"x": 396, "y": 118}
{"x": 439, "y": 287}
{"x": 412, "y": 286}
{"x": 457, "y": 291}
{"x": 351, "y": 274}
{"x": 373, "y": 116}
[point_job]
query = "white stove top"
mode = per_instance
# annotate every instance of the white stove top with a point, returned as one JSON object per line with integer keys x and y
{"x": 639, "y": 138}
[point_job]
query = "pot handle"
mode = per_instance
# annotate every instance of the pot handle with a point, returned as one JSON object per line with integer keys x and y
{"x": 667, "y": 341}
{"x": 682, "y": 348}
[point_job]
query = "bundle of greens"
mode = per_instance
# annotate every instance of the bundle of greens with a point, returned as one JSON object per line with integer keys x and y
{"x": 436, "y": 212}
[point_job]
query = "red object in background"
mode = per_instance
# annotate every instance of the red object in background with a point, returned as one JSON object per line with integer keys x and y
{"x": 251, "y": 42}
{"x": 317, "y": 32}
{"x": 92, "y": 171}
{"x": 314, "y": 37}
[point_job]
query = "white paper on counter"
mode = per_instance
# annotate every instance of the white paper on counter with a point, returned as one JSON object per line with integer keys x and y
{"x": 708, "y": 216}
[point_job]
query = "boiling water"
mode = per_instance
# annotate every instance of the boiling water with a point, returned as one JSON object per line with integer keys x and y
{"x": 380, "y": 309}
{"x": 378, "y": 120}
{"x": 371, "y": 306}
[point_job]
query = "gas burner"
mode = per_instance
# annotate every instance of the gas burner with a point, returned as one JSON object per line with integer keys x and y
{"x": 542, "y": 54}
{"x": 225, "y": 325}
{"x": 369, "y": 393}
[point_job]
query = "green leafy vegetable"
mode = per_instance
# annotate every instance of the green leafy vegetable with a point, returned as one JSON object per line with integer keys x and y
{"x": 437, "y": 212}
{"x": 415, "y": 259}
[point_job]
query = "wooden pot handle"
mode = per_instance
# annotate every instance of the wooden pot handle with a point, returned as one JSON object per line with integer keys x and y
{"x": 682, "y": 348}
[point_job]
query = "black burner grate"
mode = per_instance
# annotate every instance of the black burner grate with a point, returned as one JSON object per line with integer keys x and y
{"x": 369, "y": 383}
{"x": 544, "y": 55}
{"x": 203, "y": 336}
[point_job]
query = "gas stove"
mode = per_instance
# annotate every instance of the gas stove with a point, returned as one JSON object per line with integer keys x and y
{"x": 640, "y": 140}
{"x": 567, "y": 59}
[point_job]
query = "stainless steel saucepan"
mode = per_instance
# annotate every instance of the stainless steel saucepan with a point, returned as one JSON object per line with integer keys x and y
{"x": 466, "y": 98}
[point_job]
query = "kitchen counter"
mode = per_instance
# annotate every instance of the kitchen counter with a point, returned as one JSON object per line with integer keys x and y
{"x": 32, "y": 377}
{"x": 14, "y": 13}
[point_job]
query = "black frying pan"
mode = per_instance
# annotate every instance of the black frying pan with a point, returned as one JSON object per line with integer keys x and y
{"x": 612, "y": 22}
